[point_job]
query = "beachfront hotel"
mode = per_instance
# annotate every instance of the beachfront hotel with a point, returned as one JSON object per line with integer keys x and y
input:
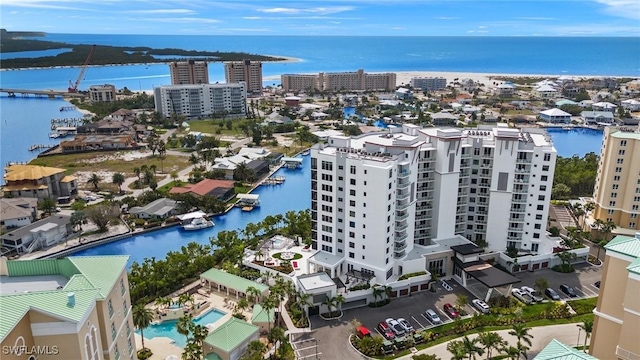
{"x": 429, "y": 83}
{"x": 189, "y": 72}
{"x": 102, "y": 93}
{"x": 72, "y": 308}
{"x": 351, "y": 81}
{"x": 380, "y": 199}
{"x": 617, "y": 313}
{"x": 197, "y": 101}
{"x": 249, "y": 72}
{"x": 617, "y": 190}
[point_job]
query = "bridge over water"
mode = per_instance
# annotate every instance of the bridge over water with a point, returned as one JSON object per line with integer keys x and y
{"x": 40, "y": 93}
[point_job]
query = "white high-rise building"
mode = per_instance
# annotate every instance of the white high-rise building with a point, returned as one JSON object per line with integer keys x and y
{"x": 375, "y": 196}
{"x": 196, "y": 101}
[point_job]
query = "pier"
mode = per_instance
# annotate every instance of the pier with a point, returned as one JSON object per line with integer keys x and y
{"x": 41, "y": 93}
{"x": 67, "y": 108}
{"x": 40, "y": 146}
{"x": 67, "y": 123}
{"x": 274, "y": 180}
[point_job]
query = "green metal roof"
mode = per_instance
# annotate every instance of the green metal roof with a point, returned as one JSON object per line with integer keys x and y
{"x": 626, "y": 135}
{"x": 261, "y": 315}
{"x": 634, "y": 267}
{"x": 53, "y": 303}
{"x": 231, "y": 281}
{"x": 625, "y": 245}
{"x": 231, "y": 334}
{"x": 90, "y": 278}
{"x": 101, "y": 271}
{"x": 212, "y": 356}
{"x": 556, "y": 350}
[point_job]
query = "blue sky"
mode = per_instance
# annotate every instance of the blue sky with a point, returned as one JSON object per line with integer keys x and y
{"x": 329, "y": 17}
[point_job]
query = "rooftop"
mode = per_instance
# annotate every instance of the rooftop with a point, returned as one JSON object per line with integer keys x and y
{"x": 261, "y": 315}
{"x": 30, "y": 172}
{"x": 45, "y": 224}
{"x": 556, "y": 350}
{"x": 203, "y": 187}
{"x": 231, "y": 281}
{"x": 315, "y": 281}
{"x": 231, "y": 334}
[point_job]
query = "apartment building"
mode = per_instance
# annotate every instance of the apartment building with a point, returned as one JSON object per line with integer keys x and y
{"x": 102, "y": 93}
{"x": 617, "y": 313}
{"x": 617, "y": 190}
{"x": 375, "y": 196}
{"x": 72, "y": 308}
{"x": 429, "y": 83}
{"x": 245, "y": 71}
{"x": 189, "y": 72}
{"x": 197, "y": 101}
{"x": 38, "y": 182}
{"x": 352, "y": 81}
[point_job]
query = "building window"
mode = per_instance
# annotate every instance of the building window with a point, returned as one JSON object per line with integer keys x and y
{"x": 352, "y": 214}
{"x": 352, "y": 244}
{"x": 610, "y": 212}
{"x": 620, "y": 152}
{"x": 540, "y": 197}
{"x": 125, "y": 307}
{"x": 545, "y": 167}
{"x": 113, "y": 331}
{"x": 618, "y": 169}
{"x": 612, "y": 203}
{"x": 633, "y": 216}
{"x": 540, "y": 207}
{"x": 623, "y": 142}
{"x": 116, "y": 352}
{"x": 327, "y": 248}
{"x": 632, "y": 225}
{"x": 110, "y": 307}
{"x": 327, "y": 165}
{"x": 352, "y": 234}
{"x": 614, "y": 187}
{"x": 534, "y": 247}
{"x": 544, "y": 178}
{"x": 547, "y": 157}
{"x": 352, "y": 169}
{"x": 351, "y": 255}
{"x": 538, "y": 216}
{"x": 352, "y": 192}
{"x": 128, "y": 329}
{"x": 536, "y": 235}
{"x": 122, "y": 288}
{"x": 352, "y": 181}
{"x": 619, "y": 161}
{"x": 614, "y": 195}
{"x": 537, "y": 226}
{"x": 616, "y": 178}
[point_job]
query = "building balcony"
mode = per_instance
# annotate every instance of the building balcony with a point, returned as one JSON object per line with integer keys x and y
{"x": 426, "y": 216}
{"x": 403, "y": 185}
{"x": 523, "y": 161}
{"x": 484, "y": 185}
{"x": 425, "y": 169}
{"x": 519, "y": 211}
{"x": 429, "y": 187}
{"x": 466, "y": 156}
{"x": 514, "y": 238}
{"x": 465, "y": 164}
{"x": 481, "y": 221}
{"x": 482, "y": 212}
{"x": 485, "y": 176}
{"x": 423, "y": 226}
{"x": 428, "y": 160}
{"x": 402, "y": 205}
{"x": 400, "y": 236}
{"x": 461, "y": 202}
{"x": 519, "y": 201}
{"x": 401, "y": 226}
{"x": 400, "y": 246}
{"x": 402, "y": 216}
{"x": 398, "y": 254}
{"x": 518, "y": 229}
{"x": 518, "y": 220}
{"x": 520, "y": 190}
{"x": 402, "y": 195}
{"x": 464, "y": 174}
{"x": 404, "y": 174}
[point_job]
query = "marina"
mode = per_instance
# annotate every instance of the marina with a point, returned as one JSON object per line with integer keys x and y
{"x": 273, "y": 180}
{"x": 292, "y": 163}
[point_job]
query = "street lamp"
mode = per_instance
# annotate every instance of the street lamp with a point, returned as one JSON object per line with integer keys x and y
{"x": 578, "y": 341}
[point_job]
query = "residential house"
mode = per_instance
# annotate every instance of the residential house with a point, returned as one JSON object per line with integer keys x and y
{"x": 38, "y": 182}
{"x": 260, "y": 167}
{"x": 157, "y": 210}
{"x": 123, "y": 115}
{"x": 276, "y": 119}
{"x": 596, "y": 117}
{"x": 230, "y": 340}
{"x": 545, "y": 91}
{"x": 631, "y": 104}
{"x": 404, "y": 94}
{"x": 292, "y": 101}
{"x": 72, "y": 308}
{"x": 17, "y": 212}
{"x": 586, "y": 103}
{"x": 559, "y": 103}
{"x": 555, "y": 116}
{"x": 505, "y": 90}
{"x": 604, "y": 106}
{"x": 220, "y": 189}
{"x": 443, "y": 119}
{"x": 81, "y": 143}
{"x": 42, "y": 233}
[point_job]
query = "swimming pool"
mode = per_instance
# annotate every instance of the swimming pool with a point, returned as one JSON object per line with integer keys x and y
{"x": 168, "y": 328}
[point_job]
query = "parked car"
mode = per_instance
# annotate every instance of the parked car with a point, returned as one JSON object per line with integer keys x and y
{"x": 533, "y": 293}
{"x": 396, "y": 327}
{"x": 522, "y": 296}
{"x": 597, "y": 284}
{"x": 362, "y": 332}
{"x": 386, "y": 331}
{"x": 406, "y": 325}
{"x": 58, "y": 209}
{"x": 552, "y": 294}
{"x": 568, "y": 290}
{"x": 480, "y": 305}
{"x": 450, "y": 310}
{"x": 432, "y": 317}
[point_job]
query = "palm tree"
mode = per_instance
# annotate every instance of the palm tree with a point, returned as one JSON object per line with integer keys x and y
{"x": 253, "y": 294}
{"x": 377, "y": 293}
{"x": 241, "y": 306}
{"x": 174, "y": 176}
{"x": 330, "y": 303}
{"x": 142, "y": 318}
{"x": 521, "y": 332}
{"x": 268, "y": 304}
{"x": 255, "y": 349}
{"x": 48, "y": 206}
{"x": 457, "y": 349}
{"x": 118, "y": 179}
{"x": 95, "y": 180}
{"x": 184, "y": 323}
{"x": 136, "y": 172}
{"x": 587, "y": 326}
{"x": 339, "y": 300}
{"x": 471, "y": 347}
{"x": 78, "y": 218}
{"x": 607, "y": 228}
{"x": 512, "y": 352}
{"x": 491, "y": 341}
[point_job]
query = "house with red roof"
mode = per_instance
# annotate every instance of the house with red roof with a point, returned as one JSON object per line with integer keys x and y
{"x": 220, "y": 189}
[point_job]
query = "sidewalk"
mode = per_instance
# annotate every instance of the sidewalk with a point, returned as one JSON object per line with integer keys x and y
{"x": 542, "y": 335}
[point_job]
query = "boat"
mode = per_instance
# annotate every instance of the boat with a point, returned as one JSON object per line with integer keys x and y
{"x": 198, "y": 223}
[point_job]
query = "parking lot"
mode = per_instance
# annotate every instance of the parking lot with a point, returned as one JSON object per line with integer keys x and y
{"x": 332, "y": 336}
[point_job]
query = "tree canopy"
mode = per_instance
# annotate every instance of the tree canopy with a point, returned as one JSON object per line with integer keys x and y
{"x": 579, "y": 174}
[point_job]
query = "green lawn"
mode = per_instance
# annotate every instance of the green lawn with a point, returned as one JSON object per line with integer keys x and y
{"x": 212, "y": 126}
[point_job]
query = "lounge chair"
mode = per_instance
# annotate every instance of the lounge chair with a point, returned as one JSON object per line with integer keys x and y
{"x": 295, "y": 265}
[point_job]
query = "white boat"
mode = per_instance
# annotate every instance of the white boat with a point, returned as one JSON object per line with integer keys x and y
{"x": 198, "y": 223}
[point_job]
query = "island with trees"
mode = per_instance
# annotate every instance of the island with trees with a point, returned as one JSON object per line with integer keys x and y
{"x": 103, "y": 54}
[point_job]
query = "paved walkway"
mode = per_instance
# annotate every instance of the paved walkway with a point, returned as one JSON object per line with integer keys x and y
{"x": 542, "y": 335}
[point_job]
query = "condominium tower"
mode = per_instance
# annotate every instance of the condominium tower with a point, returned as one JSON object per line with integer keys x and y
{"x": 197, "y": 101}
{"x": 73, "y": 308}
{"x": 617, "y": 313}
{"x": 189, "y": 72}
{"x": 351, "y": 81}
{"x": 377, "y": 196}
{"x": 617, "y": 190}
{"x": 246, "y": 71}
{"x": 429, "y": 83}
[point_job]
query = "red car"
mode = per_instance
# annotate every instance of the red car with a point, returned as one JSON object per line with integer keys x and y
{"x": 386, "y": 331}
{"x": 450, "y": 310}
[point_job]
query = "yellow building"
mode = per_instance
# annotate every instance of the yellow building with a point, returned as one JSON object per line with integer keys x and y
{"x": 38, "y": 182}
{"x": 248, "y": 71}
{"x": 189, "y": 72}
{"x": 73, "y": 308}
{"x": 617, "y": 322}
{"x": 617, "y": 189}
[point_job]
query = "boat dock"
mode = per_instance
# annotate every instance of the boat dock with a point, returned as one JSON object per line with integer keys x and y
{"x": 292, "y": 163}
{"x": 273, "y": 180}
{"x": 67, "y": 123}
{"x": 67, "y": 108}
{"x": 40, "y": 146}
{"x": 247, "y": 201}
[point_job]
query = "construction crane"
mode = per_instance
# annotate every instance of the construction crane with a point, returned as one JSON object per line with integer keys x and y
{"x": 73, "y": 87}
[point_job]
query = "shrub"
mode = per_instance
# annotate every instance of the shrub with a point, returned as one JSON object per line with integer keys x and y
{"x": 564, "y": 268}
{"x": 144, "y": 354}
{"x": 360, "y": 287}
{"x": 139, "y": 222}
{"x": 152, "y": 224}
{"x": 407, "y": 276}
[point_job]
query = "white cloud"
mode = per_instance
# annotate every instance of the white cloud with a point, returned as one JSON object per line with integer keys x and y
{"x": 623, "y": 8}
{"x": 482, "y": 27}
{"x": 315, "y": 10}
{"x": 398, "y": 28}
{"x": 42, "y": 4}
{"x": 163, "y": 11}
{"x": 447, "y": 18}
{"x": 252, "y": 17}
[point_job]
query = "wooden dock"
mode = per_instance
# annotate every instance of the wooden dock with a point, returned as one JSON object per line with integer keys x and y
{"x": 40, "y": 146}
